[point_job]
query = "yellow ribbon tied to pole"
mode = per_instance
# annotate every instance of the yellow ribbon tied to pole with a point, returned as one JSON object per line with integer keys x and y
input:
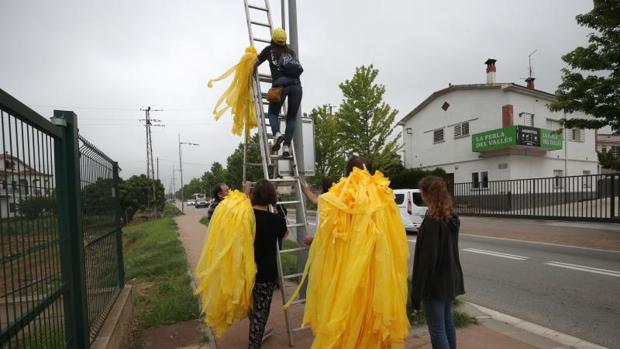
{"x": 226, "y": 270}
{"x": 239, "y": 96}
{"x": 357, "y": 268}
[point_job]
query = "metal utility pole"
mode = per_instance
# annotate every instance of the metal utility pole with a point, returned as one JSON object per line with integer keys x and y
{"x": 150, "y": 168}
{"x": 181, "y": 170}
{"x": 174, "y": 196}
{"x": 298, "y": 141}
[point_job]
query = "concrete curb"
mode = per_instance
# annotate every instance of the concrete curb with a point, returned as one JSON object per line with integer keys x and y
{"x": 564, "y": 339}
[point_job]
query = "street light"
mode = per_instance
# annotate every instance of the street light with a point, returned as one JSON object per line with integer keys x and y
{"x": 181, "y": 170}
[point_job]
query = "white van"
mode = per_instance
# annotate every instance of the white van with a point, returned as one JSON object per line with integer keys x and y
{"x": 411, "y": 207}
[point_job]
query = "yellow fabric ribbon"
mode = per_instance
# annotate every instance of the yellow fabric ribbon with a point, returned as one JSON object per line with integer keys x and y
{"x": 239, "y": 96}
{"x": 226, "y": 270}
{"x": 357, "y": 267}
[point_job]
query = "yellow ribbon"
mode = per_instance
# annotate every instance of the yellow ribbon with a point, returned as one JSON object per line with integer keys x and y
{"x": 239, "y": 96}
{"x": 357, "y": 267}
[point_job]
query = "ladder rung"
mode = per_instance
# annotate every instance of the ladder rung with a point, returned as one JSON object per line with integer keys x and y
{"x": 281, "y": 157}
{"x": 284, "y": 180}
{"x": 296, "y": 249}
{"x": 255, "y": 164}
{"x": 261, "y": 24}
{"x": 299, "y": 301}
{"x": 258, "y": 8}
{"x": 300, "y": 328}
{"x": 292, "y": 276}
{"x": 295, "y": 225}
{"x": 263, "y": 40}
{"x": 264, "y": 78}
{"x": 290, "y": 202}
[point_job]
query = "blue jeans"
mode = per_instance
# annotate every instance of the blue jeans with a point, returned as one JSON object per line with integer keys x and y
{"x": 440, "y": 324}
{"x": 294, "y": 93}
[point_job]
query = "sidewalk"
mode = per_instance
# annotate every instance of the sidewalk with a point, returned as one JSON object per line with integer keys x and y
{"x": 491, "y": 334}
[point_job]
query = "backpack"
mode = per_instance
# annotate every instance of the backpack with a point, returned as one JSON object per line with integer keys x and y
{"x": 289, "y": 65}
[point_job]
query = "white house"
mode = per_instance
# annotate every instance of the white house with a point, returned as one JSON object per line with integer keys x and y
{"x": 495, "y": 131}
{"x": 18, "y": 182}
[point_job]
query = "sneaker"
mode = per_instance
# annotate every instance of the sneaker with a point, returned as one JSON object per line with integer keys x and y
{"x": 278, "y": 139}
{"x": 286, "y": 152}
{"x": 268, "y": 332}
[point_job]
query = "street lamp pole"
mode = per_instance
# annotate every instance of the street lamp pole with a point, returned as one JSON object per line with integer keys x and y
{"x": 181, "y": 170}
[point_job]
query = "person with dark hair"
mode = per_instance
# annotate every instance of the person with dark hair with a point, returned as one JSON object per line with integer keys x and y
{"x": 218, "y": 194}
{"x": 269, "y": 228}
{"x": 437, "y": 274}
{"x": 325, "y": 185}
{"x": 285, "y": 71}
{"x": 360, "y": 162}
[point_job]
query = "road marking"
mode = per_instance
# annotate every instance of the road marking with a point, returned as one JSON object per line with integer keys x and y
{"x": 585, "y": 268}
{"x": 496, "y": 254}
{"x": 538, "y": 243}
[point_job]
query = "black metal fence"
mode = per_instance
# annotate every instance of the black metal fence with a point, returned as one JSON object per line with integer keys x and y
{"x": 61, "y": 259}
{"x": 582, "y": 198}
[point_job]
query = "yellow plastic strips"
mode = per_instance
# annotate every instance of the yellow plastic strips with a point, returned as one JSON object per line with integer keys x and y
{"x": 226, "y": 270}
{"x": 239, "y": 96}
{"x": 357, "y": 267}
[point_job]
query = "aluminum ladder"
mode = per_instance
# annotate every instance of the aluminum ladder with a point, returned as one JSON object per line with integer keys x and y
{"x": 260, "y": 27}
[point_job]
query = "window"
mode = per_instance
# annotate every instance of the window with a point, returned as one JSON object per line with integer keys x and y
{"x": 502, "y": 166}
{"x": 12, "y": 207}
{"x": 399, "y": 198}
{"x": 25, "y": 187}
{"x": 4, "y": 184}
{"x": 445, "y": 106}
{"x": 577, "y": 135}
{"x": 614, "y": 151}
{"x": 558, "y": 180}
{"x": 461, "y": 129}
{"x": 604, "y": 149}
{"x": 475, "y": 179}
{"x": 417, "y": 199}
{"x": 526, "y": 119}
{"x": 9, "y": 165}
{"x": 485, "y": 179}
{"x": 438, "y": 136}
{"x": 553, "y": 125}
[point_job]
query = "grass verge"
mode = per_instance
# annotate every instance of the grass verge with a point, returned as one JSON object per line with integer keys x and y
{"x": 460, "y": 318}
{"x": 156, "y": 265}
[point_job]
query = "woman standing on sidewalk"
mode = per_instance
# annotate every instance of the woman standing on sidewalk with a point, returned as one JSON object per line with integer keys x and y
{"x": 437, "y": 275}
{"x": 269, "y": 228}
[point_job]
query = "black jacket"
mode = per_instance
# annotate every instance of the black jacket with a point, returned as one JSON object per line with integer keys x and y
{"x": 437, "y": 273}
{"x": 216, "y": 201}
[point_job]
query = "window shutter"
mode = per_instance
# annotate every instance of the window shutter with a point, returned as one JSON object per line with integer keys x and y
{"x": 457, "y": 130}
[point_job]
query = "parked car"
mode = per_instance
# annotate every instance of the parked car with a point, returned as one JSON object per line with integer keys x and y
{"x": 411, "y": 207}
{"x": 190, "y": 203}
{"x": 202, "y": 204}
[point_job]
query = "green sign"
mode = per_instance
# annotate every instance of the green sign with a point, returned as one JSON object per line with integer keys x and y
{"x": 551, "y": 140}
{"x": 494, "y": 139}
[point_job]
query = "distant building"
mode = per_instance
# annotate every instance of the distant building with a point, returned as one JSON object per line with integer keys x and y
{"x": 610, "y": 144}
{"x": 495, "y": 131}
{"x": 19, "y": 182}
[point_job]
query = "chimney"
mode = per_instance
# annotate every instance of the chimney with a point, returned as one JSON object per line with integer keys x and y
{"x": 507, "y": 111}
{"x": 490, "y": 70}
{"x": 530, "y": 83}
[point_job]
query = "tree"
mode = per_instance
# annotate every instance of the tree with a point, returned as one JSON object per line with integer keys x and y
{"x": 609, "y": 161}
{"x": 365, "y": 120}
{"x": 598, "y": 93}
{"x": 329, "y": 159}
{"x": 36, "y": 207}
{"x": 136, "y": 195}
{"x": 234, "y": 164}
{"x": 217, "y": 174}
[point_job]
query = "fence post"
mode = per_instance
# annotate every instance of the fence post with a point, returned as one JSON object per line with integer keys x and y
{"x": 67, "y": 172}
{"x": 119, "y": 231}
{"x": 612, "y": 198}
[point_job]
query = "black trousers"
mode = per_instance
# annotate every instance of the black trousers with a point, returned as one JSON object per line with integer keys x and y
{"x": 261, "y": 295}
{"x": 294, "y": 94}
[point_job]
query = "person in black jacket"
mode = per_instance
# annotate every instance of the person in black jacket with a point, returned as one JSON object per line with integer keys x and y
{"x": 280, "y": 55}
{"x": 219, "y": 193}
{"x": 437, "y": 275}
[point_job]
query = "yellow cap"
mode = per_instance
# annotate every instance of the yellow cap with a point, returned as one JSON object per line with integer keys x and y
{"x": 279, "y": 36}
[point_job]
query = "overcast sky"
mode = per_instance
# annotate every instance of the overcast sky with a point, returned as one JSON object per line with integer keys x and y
{"x": 107, "y": 59}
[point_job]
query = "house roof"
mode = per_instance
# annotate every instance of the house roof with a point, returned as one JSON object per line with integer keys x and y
{"x": 501, "y": 86}
{"x": 21, "y": 169}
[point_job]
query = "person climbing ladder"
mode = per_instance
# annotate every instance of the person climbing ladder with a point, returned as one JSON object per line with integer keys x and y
{"x": 285, "y": 71}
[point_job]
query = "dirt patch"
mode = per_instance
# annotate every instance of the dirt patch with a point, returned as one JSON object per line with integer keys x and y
{"x": 178, "y": 335}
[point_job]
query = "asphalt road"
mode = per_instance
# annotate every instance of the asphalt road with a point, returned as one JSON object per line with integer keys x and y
{"x": 568, "y": 289}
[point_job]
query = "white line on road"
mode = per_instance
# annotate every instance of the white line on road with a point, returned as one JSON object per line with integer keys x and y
{"x": 585, "y": 268}
{"x": 496, "y": 254}
{"x": 538, "y": 243}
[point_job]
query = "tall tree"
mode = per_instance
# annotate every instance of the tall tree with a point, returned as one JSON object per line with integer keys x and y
{"x": 234, "y": 164}
{"x": 217, "y": 174}
{"x": 597, "y": 93}
{"x": 136, "y": 193}
{"x": 329, "y": 158}
{"x": 365, "y": 121}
